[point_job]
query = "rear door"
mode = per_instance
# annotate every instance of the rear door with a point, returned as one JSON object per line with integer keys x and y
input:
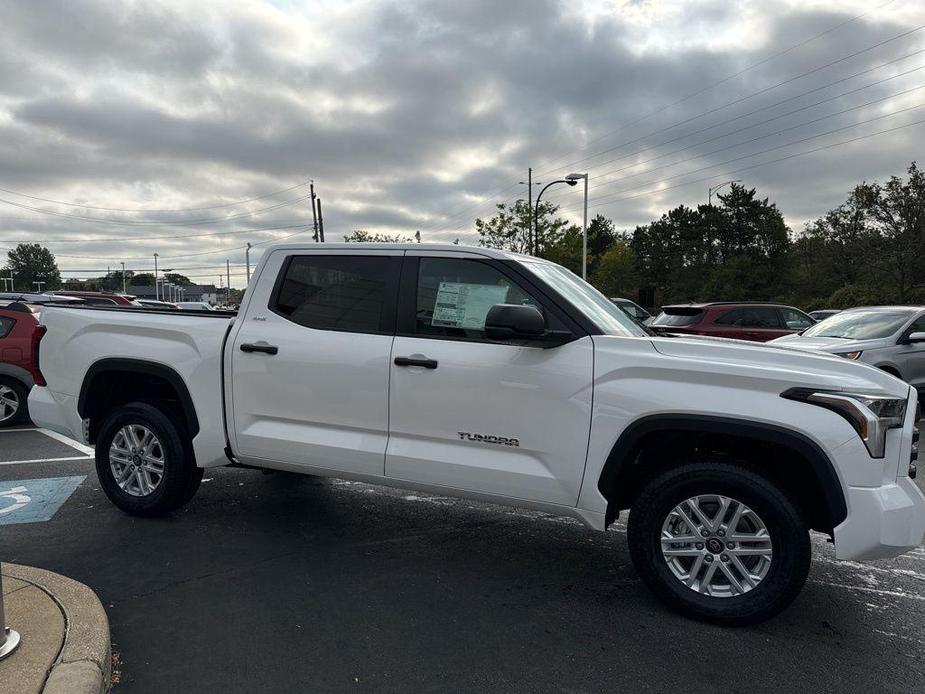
{"x": 310, "y": 361}
{"x": 480, "y": 415}
{"x": 755, "y": 323}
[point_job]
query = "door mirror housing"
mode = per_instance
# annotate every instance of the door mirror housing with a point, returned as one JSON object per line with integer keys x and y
{"x": 915, "y": 337}
{"x": 514, "y": 321}
{"x": 523, "y": 324}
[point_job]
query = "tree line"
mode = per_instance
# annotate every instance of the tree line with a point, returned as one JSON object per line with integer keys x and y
{"x": 868, "y": 250}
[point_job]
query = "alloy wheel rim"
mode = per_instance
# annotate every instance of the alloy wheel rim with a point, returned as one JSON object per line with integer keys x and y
{"x": 136, "y": 460}
{"x": 716, "y": 545}
{"x": 9, "y": 403}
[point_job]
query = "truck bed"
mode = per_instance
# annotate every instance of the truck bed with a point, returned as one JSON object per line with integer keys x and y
{"x": 189, "y": 342}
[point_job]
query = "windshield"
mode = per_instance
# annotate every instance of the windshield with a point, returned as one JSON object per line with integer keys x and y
{"x": 861, "y": 325}
{"x": 605, "y": 314}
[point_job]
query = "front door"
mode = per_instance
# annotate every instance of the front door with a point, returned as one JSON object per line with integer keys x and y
{"x": 310, "y": 362}
{"x": 474, "y": 414}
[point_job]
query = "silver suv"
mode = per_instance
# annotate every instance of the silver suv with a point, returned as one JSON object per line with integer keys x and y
{"x": 891, "y": 338}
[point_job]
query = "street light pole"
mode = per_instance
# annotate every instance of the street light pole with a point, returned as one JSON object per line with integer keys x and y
{"x": 584, "y": 224}
{"x": 156, "y": 294}
{"x": 247, "y": 255}
{"x": 38, "y": 286}
{"x": 123, "y": 278}
{"x": 536, "y": 209}
{"x": 713, "y": 189}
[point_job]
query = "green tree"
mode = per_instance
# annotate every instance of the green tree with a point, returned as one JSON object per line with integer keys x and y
{"x": 615, "y": 274}
{"x": 30, "y": 263}
{"x": 508, "y": 229}
{"x": 178, "y": 279}
{"x": 143, "y": 279}
{"x": 360, "y": 236}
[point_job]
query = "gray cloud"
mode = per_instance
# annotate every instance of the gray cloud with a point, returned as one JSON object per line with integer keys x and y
{"x": 411, "y": 115}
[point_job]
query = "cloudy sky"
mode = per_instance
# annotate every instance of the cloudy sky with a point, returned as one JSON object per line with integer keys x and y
{"x": 190, "y": 128}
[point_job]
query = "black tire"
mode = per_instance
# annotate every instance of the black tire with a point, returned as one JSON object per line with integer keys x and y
{"x": 181, "y": 477}
{"x": 21, "y": 395}
{"x": 790, "y": 546}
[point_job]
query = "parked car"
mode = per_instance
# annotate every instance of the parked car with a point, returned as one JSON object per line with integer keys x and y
{"x": 101, "y": 298}
{"x": 479, "y": 373}
{"x": 822, "y": 314}
{"x": 154, "y": 303}
{"x": 38, "y": 298}
{"x": 758, "y": 322}
{"x": 891, "y": 338}
{"x": 195, "y": 306}
{"x": 18, "y": 325}
{"x": 633, "y": 310}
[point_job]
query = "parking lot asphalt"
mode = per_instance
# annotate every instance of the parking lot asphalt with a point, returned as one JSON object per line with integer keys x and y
{"x": 287, "y": 583}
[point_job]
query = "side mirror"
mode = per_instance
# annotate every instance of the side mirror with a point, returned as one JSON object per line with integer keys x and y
{"x": 915, "y": 337}
{"x": 513, "y": 321}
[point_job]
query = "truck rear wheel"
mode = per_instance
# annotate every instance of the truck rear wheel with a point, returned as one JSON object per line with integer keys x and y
{"x": 144, "y": 462}
{"x": 719, "y": 543}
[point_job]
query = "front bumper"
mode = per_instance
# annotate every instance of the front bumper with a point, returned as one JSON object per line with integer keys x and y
{"x": 882, "y": 522}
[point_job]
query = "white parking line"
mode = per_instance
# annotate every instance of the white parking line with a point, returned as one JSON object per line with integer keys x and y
{"x": 43, "y": 460}
{"x": 70, "y": 442}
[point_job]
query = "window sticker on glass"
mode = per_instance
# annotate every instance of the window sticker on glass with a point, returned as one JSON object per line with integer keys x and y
{"x": 461, "y": 305}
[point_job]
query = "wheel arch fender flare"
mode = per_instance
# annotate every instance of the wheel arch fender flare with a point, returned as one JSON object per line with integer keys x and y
{"x": 145, "y": 368}
{"x": 624, "y": 449}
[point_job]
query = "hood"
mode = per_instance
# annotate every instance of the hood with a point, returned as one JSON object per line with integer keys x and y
{"x": 831, "y": 344}
{"x": 786, "y": 365}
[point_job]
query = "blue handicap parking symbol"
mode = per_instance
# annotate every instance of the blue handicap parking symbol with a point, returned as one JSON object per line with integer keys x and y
{"x": 34, "y": 501}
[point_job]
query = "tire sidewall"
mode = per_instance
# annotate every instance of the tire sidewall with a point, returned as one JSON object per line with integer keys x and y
{"x": 789, "y": 544}
{"x": 22, "y": 393}
{"x": 175, "y": 459}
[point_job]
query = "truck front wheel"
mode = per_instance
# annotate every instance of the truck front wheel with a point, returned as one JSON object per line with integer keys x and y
{"x": 720, "y": 543}
{"x": 144, "y": 461}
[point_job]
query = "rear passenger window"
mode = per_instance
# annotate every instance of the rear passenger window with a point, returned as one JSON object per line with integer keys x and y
{"x": 347, "y": 293}
{"x": 751, "y": 318}
{"x": 6, "y": 325}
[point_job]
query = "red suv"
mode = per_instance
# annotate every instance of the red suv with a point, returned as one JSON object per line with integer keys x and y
{"x": 18, "y": 343}
{"x": 758, "y": 322}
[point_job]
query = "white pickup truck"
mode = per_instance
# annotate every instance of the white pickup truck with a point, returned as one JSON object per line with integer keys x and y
{"x": 479, "y": 373}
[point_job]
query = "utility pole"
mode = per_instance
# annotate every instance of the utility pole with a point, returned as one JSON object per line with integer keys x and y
{"x": 228, "y": 288}
{"x": 247, "y": 255}
{"x": 123, "y": 278}
{"x": 314, "y": 212}
{"x": 320, "y": 223}
{"x": 156, "y": 293}
{"x": 530, "y": 211}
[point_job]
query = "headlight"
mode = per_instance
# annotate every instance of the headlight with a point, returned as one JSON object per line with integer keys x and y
{"x": 853, "y": 356}
{"x": 870, "y": 415}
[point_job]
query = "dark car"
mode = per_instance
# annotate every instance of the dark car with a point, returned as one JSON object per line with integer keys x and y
{"x": 18, "y": 373}
{"x": 633, "y": 310}
{"x": 823, "y": 313}
{"x": 758, "y": 322}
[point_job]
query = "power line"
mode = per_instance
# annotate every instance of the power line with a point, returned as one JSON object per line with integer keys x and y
{"x": 123, "y": 239}
{"x": 756, "y": 139}
{"x": 737, "y": 101}
{"x": 125, "y": 222}
{"x": 139, "y": 209}
{"x": 724, "y": 80}
{"x": 755, "y": 166}
{"x": 758, "y": 110}
{"x": 744, "y": 98}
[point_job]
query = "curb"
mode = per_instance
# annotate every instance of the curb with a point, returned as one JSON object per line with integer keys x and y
{"x": 83, "y": 665}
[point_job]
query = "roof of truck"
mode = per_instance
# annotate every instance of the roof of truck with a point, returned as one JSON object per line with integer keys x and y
{"x": 441, "y": 247}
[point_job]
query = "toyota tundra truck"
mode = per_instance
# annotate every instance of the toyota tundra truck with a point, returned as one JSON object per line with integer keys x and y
{"x": 505, "y": 378}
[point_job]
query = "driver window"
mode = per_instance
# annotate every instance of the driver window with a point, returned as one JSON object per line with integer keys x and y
{"x": 794, "y": 320}
{"x": 454, "y": 296}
